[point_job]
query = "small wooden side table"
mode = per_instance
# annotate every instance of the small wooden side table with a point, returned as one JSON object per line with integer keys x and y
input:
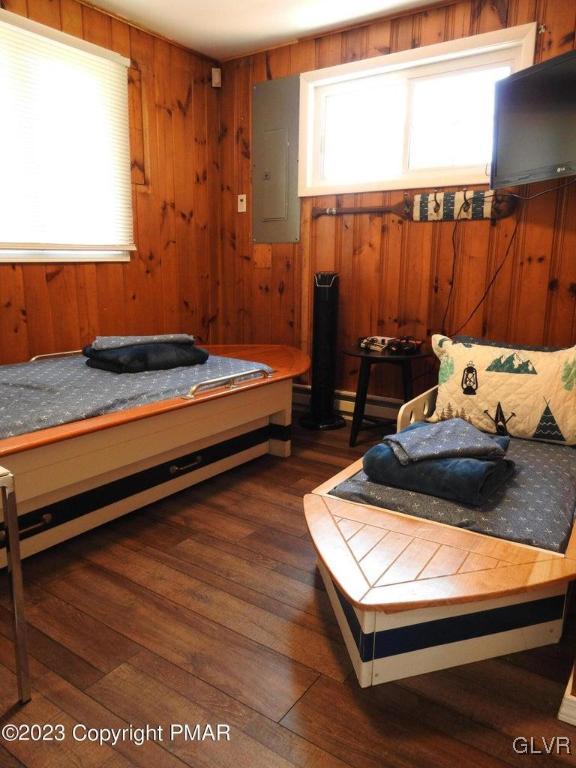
{"x": 367, "y": 360}
{"x": 12, "y": 539}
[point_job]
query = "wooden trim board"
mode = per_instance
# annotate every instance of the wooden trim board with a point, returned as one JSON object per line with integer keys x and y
{"x": 389, "y": 561}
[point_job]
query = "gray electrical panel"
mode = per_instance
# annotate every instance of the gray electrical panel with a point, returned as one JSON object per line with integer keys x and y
{"x": 275, "y": 203}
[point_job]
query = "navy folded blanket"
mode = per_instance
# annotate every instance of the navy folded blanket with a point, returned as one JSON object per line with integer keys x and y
{"x": 451, "y": 439}
{"x": 467, "y": 480}
{"x": 145, "y": 357}
{"x": 113, "y": 342}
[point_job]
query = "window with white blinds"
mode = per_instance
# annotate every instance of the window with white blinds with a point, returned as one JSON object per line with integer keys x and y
{"x": 65, "y": 191}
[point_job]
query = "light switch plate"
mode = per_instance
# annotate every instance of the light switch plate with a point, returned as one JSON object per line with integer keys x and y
{"x": 241, "y": 203}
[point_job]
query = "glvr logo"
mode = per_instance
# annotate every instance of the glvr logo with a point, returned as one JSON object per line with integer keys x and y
{"x": 555, "y": 745}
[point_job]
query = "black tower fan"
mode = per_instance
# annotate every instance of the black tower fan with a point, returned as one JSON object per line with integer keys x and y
{"x": 322, "y": 414}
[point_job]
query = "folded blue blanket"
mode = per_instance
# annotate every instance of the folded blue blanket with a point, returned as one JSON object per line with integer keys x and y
{"x": 454, "y": 438}
{"x": 145, "y": 357}
{"x": 115, "y": 342}
{"x": 467, "y": 480}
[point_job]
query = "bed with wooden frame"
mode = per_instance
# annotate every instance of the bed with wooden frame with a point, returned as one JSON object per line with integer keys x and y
{"x": 58, "y": 482}
{"x": 73, "y": 477}
{"x": 413, "y": 595}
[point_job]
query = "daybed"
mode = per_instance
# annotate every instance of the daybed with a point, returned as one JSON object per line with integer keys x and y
{"x": 82, "y": 473}
{"x": 78, "y": 475}
{"x": 414, "y": 595}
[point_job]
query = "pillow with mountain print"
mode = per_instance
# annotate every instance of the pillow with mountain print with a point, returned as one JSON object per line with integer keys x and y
{"x": 517, "y": 392}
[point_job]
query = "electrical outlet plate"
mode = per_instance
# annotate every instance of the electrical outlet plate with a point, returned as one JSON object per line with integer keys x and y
{"x": 241, "y": 203}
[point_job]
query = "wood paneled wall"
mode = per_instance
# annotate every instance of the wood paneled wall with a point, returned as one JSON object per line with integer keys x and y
{"x": 197, "y": 269}
{"x": 169, "y": 283}
{"x": 395, "y": 276}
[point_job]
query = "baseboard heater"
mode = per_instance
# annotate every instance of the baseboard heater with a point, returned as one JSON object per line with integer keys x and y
{"x": 379, "y": 407}
{"x": 76, "y": 506}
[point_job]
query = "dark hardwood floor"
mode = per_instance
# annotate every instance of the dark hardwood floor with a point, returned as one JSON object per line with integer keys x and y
{"x": 207, "y": 608}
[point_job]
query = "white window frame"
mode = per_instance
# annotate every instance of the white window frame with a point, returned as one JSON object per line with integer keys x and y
{"x": 514, "y": 45}
{"x": 53, "y": 253}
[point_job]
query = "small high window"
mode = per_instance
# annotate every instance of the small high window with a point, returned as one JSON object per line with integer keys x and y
{"x": 418, "y": 118}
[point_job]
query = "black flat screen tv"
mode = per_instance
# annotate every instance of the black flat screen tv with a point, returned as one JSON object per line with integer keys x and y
{"x": 535, "y": 124}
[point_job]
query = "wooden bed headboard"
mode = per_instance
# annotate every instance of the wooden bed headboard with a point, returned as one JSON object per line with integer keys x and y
{"x": 419, "y": 408}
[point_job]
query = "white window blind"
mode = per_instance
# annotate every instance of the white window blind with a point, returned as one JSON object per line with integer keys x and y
{"x": 65, "y": 191}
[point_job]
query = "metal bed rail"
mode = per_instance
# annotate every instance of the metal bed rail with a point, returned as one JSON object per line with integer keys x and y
{"x": 56, "y": 354}
{"x": 231, "y": 381}
{"x": 12, "y": 534}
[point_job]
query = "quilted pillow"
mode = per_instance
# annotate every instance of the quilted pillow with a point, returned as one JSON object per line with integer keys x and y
{"x": 515, "y": 392}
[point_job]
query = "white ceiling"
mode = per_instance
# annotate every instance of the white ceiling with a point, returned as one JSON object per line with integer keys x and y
{"x": 227, "y": 28}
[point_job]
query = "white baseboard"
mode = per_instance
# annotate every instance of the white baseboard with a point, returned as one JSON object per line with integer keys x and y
{"x": 379, "y": 407}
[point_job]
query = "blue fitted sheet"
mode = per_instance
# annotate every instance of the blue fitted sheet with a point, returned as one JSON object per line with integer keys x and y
{"x": 56, "y": 391}
{"x": 536, "y": 506}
